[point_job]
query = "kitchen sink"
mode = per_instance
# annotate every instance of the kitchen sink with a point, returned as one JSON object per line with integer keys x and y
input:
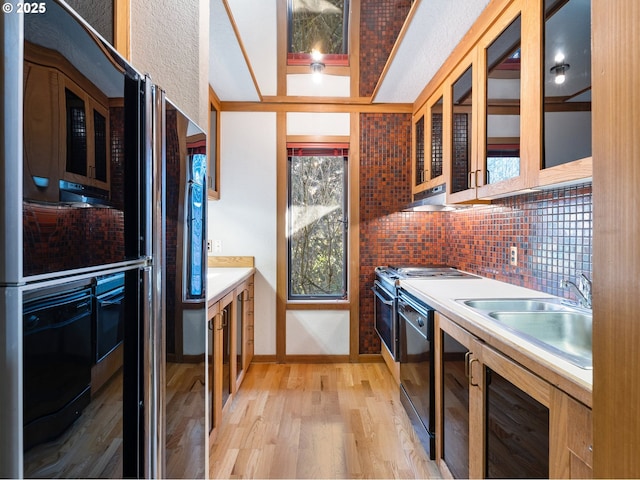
{"x": 515, "y": 304}
{"x": 567, "y": 333}
{"x": 552, "y": 324}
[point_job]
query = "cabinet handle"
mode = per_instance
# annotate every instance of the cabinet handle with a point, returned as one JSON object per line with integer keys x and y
{"x": 470, "y": 180}
{"x": 221, "y": 323}
{"x": 477, "y": 182}
{"x": 210, "y": 324}
{"x": 471, "y": 373}
{"x": 466, "y": 364}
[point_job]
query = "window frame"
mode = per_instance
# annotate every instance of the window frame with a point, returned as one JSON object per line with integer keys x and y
{"x": 320, "y": 149}
{"x": 329, "y": 59}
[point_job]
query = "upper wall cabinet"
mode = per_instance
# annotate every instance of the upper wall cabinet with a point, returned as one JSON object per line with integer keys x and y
{"x": 428, "y": 145}
{"x": 566, "y": 91}
{"x": 213, "y": 162}
{"x": 461, "y": 150}
{"x": 504, "y": 65}
{"x": 510, "y": 122}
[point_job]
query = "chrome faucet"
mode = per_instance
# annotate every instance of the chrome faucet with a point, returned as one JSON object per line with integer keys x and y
{"x": 582, "y": 289}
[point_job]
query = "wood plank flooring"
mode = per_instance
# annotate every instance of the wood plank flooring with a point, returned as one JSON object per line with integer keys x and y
{"x": 317, "y": 421}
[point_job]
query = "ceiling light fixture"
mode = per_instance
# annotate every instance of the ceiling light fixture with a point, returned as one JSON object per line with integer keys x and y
{"x": 317, "y": 67}
{"x": 559, "y": 69}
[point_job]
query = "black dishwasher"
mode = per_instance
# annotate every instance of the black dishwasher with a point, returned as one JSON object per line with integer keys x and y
{"x": 57, "y": 359}
{"x": 417, "y": 373}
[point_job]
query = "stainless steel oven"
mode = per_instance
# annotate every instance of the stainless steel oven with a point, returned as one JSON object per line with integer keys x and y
{"x": 417, "y": 372}
{"x": 385, "y": 319}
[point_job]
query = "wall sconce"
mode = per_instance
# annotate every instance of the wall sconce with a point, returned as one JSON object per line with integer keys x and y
{"x": 317, "y": 67}
{"x": 559, "y": 69}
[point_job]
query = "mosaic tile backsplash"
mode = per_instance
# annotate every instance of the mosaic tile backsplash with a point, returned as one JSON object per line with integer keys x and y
{"x": 552, "y": 229}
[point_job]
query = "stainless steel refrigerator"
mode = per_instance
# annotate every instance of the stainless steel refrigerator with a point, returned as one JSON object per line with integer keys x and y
{"x": 103, "y": 260}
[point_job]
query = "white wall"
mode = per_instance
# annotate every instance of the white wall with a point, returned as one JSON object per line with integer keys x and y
{"x": 170, "y": 42}
{"x": 318, "y": 332}
{"x": 258, "y": 28}
{"x": 244, "y": 219}
{"x": 327, "y": 86}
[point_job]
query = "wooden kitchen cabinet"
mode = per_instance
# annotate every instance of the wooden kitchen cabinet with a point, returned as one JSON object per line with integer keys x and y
{"x": 41, "y": 154}
{"x": 427, "y": 146}
{"x": 69, "y": 117}
{"x": 495, "y": 419}
{"x": 243, "y": 330}
{"x": 230, "y": 336}
{"x": 220, "y": 322}
{"x": 566, "y": 154}
{"x": 85, "y": 152}
{"x": 214, "y": 364}
{"x": 507, "y": 126}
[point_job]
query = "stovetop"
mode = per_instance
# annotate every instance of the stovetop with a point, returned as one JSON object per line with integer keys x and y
{"x": 393, "y": 273}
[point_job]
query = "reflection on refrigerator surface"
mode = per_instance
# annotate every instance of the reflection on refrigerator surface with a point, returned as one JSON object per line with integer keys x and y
{"x": 186, "y": 334}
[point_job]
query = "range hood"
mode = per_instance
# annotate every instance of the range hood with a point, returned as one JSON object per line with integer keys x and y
{"x": 430, "y": 200}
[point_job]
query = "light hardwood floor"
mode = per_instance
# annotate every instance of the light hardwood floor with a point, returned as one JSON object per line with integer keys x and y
{"x": 317, "y": 421}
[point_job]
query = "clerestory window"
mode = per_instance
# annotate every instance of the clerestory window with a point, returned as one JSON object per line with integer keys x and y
{"x": 318, "y": 25}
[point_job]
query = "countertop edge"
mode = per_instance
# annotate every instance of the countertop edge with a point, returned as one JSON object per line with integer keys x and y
{"x": 222, "y": 280}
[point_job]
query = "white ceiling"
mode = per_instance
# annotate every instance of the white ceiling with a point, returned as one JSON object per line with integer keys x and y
{"x": 435, "y": 29}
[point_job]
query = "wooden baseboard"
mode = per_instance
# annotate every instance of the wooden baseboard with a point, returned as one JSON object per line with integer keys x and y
{"x": 363, "y": 358}
{"x": 370, "y": 358}
{"x": 264, "y": 359}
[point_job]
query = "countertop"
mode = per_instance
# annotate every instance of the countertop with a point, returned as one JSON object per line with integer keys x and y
{"x": 441, "y": 294}
{"x": 221, "y": 281}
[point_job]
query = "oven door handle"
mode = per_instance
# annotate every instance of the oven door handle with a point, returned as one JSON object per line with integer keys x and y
{"x": 108, "y": 303}
{"x": 382, "y": 299}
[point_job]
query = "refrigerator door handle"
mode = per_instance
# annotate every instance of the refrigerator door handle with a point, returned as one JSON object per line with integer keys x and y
{"x": 155, "y": 337}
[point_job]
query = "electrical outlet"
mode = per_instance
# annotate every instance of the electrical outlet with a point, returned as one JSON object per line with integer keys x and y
{"x": 513, "y": 256}
{"x": 217, "y": 246}
{"x": 209, "y": 246}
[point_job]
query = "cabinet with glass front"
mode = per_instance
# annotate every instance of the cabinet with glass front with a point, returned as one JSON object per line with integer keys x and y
{"x": 428, "y": 142}
{"x": 566, "y": 92}
{"x": 517, "y": 107}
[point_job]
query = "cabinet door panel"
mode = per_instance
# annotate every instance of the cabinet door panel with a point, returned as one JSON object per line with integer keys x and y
{"x": 517, "y": 431}
{"x": 41, "y": 105}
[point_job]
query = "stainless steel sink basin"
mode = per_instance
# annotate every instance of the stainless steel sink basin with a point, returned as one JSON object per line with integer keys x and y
{"x": 567, "y": 333}
{"x": 554, "y": 325}
{"x": 515, "y": 305}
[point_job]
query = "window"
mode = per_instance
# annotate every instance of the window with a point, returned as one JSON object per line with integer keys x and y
{"x": 321, "y": 25}
{"x": 317, "y": 221}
